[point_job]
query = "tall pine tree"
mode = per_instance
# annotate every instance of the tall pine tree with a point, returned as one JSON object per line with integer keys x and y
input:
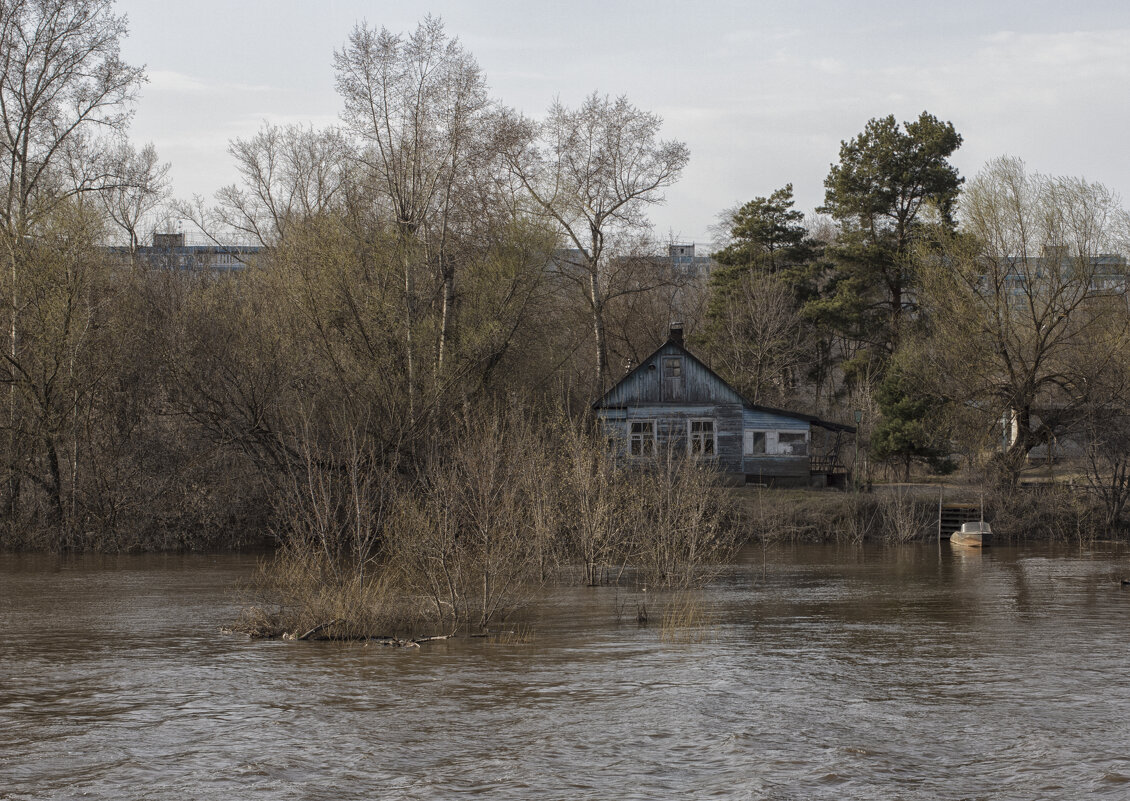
{"x": 891, "y": 186}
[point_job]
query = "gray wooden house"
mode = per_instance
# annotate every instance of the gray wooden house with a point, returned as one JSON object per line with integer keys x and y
{"x": 672, "y": 402}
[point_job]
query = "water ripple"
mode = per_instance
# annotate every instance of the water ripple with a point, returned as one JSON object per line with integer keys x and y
{"x": 828, "y": 674}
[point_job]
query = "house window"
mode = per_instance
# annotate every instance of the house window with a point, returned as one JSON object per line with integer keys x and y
{"x": 754, "y": 443}
{"x": 792, "y": 443}
{"x": 672, "y": 367}
{"x": 642, "y": 438}
{"x": 774, "y": 443}
{"x": 701, "y": 440}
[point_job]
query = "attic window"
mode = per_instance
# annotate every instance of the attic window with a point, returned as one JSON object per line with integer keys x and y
{"x": 672, "y": 367}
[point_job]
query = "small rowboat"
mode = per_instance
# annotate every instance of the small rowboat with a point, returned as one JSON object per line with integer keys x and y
{"x": 975, "y": 535}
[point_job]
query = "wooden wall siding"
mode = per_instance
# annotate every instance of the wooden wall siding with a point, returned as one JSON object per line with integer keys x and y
{"x": 776, "y": 466}
{"x": 672, "y": 428}
{"x": 645, "y": 384}
{"x": 728, "y": 427}
{"x": 767, "y": 421}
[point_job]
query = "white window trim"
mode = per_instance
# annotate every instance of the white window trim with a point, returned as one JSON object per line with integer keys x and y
{"x": 772, "y": 442}
{"x": 632, "y": 436}
{"x": 713, "y": 435}
{"x": 747, "y": 442}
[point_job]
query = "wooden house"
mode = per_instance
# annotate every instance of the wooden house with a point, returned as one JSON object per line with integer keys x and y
{"x": 673, "y": 403}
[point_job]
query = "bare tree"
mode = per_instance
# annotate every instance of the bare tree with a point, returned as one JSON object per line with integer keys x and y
{"x": 686, "y": 526}
{"x": 415, "y": 102}
{"x": 473, "y": 533}
{"x": 759, "y": 341}
{"x": 1107, "y": 461}
{"x": 1025, "y": 319}
{"x": 61, "y": 79}
{"x": 139, "y": 184}
{"x": 597, "y": 505}
{"x": 287, "y": 173}
{"x": 593, "y": 171}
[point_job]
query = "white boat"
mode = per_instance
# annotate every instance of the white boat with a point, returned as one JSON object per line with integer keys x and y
{"x": 975, "y": 535}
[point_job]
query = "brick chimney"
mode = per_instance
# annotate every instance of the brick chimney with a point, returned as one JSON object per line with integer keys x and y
{"x": 675, "y": 334}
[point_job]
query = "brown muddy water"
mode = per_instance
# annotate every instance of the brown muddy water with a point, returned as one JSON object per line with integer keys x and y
{"x": 824, "y": 673}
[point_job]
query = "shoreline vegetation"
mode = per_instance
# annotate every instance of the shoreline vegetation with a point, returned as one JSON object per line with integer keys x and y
{"x": 386, "y": 359}
{"x": 583, "y": 520}
{"x": 481, "y": 527}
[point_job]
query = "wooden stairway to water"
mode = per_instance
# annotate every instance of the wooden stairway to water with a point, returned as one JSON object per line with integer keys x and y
{"x": 955, "y": 514}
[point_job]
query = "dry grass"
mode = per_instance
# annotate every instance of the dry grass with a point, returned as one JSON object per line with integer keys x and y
{"x": 685, "y": 620}
{"x": 903, "y": 516}
{"x": 293, "y": 594}
{"x": 259, "y": 623}
{"x": 794, "y": 515}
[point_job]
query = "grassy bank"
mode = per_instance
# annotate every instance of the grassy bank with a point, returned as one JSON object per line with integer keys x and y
{"x": 903, "y": 513}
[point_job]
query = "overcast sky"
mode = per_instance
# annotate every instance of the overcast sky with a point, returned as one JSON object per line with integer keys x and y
{"x": 762, "y": 92}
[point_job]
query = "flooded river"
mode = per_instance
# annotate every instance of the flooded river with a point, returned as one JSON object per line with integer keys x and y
{"x": 824, "y": 672}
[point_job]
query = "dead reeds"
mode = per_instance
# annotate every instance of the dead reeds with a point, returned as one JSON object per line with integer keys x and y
{"x": 685, "y": 619}
{"x": 472, "y": 533}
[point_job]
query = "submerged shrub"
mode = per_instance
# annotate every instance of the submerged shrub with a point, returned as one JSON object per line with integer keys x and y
{"x": 472, "y": 532}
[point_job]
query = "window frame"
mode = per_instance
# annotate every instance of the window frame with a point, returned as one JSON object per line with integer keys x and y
{"x": 771, "y": 442}
{"x": 634, "y": 437}
{"x": 749, "y": 436}
{"x": 803, "y": 440}
{"x": 697, "y": 436}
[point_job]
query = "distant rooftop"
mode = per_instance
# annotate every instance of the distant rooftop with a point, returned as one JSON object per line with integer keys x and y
{"x": 195, "y": 239}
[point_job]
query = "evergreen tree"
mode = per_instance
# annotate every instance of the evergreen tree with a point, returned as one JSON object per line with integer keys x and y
{"x": 908, "y": 432}
{"x": 892, "y": 186}
{"x": 767, "y": 233}
{"x": 767, "y": 237}
{"x": 755, "y": 332}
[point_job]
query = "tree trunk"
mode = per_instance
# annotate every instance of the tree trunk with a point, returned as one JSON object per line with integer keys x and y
{"x": 597, "y": 302}
{"x": 13, "y": 499}
{"x": 447, "y": 323}
{"x": 896, "y": 314}
{"x": 55, "y": 489}
{"x": 409, "y": 320}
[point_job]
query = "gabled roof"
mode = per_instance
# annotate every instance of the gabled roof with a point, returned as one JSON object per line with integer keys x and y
{"x": 603, "y": 402}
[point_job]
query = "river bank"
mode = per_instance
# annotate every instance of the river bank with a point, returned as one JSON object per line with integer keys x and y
{"x": 1046, "y": 512}
{"x": 1035, "y": 512}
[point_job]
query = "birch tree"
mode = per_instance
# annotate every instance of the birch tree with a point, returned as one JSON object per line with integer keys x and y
{"x": 416, "y": 103}
{"x": 61, "y": 81}
{"x": 593, "y": 171}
